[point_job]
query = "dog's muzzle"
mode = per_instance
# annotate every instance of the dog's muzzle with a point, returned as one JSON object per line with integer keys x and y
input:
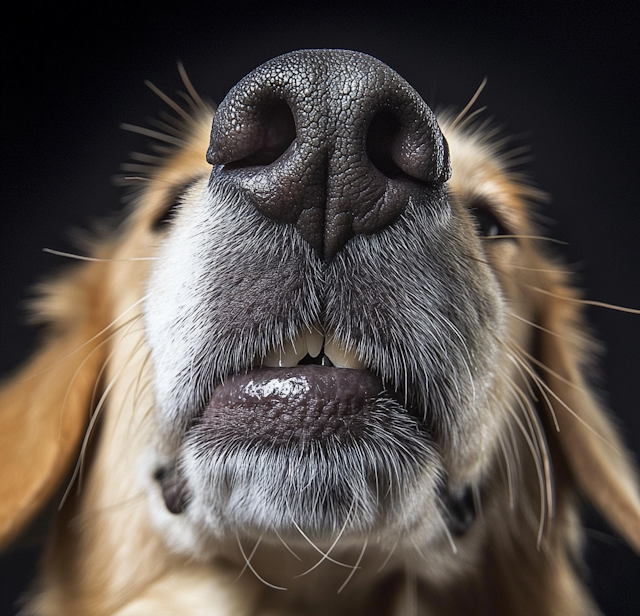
{"x": 317, "y": 328}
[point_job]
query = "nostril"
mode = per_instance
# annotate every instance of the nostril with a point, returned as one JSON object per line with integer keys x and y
{"x": 270, "y": 136}
{"x": 382, "y": 142}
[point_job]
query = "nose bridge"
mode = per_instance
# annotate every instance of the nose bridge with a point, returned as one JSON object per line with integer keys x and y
{"x": 332, "y": 141}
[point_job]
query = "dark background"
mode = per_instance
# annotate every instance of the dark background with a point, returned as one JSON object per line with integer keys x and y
{"x": 563, "y": 79}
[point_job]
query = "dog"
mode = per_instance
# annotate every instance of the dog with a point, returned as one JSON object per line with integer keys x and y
{"x": 327, "y": 365}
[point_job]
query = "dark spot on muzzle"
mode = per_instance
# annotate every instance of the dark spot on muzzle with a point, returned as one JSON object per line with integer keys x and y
{"x": 460, "y": 510}
{"x": 174, "y": 488}
{"x": 331, "y": 141}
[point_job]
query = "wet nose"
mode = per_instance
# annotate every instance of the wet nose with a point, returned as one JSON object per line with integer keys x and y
{"x": 331, "y": 141}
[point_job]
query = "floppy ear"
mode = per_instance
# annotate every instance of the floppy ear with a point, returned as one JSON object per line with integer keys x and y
{"x": 596, "y": 456}
{"x": 45, "y": 407}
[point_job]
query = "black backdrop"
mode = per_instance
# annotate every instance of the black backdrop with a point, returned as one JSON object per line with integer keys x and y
{"x": 563, "y": 79}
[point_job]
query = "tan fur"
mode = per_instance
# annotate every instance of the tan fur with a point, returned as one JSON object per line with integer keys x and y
{"x": 105, "y": 556}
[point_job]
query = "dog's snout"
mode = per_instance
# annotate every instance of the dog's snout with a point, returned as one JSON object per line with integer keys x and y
{"x": 332, "y": 141}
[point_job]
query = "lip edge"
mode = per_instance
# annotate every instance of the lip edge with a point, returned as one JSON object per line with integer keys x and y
{"x": 394, "y": 394}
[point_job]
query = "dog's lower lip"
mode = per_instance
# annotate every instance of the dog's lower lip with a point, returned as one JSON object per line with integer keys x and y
{"x": 307, "y": 402}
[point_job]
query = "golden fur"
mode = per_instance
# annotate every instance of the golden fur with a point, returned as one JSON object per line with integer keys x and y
{"x": 88, "y": 390}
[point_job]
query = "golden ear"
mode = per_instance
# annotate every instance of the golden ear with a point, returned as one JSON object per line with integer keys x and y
{"x": 45, "y": 407}
{"x": 590, "y": 443}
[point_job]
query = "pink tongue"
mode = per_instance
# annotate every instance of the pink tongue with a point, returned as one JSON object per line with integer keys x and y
{"x": 306, "y": 402}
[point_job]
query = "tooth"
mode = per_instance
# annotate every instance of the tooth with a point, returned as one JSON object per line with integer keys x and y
{"x": 342, "y": 358}
{"x": 287, "y": 356}
{"x": 315, "y": 340}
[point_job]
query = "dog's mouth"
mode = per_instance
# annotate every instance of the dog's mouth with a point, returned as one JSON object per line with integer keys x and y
{"x": 308, "y": 389}
{"x": 314, "y": 402}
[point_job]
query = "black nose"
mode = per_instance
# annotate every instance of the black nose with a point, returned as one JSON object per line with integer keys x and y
{"x": 331, "y": 141}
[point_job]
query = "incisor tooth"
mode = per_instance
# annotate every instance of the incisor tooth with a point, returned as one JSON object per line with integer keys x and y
{"x": 286, "y": 356}
{"x": 315, "y": 340}
{"x": 342, "y": 358}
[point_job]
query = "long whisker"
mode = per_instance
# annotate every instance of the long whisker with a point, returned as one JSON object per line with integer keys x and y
{"x": 94, "y": 337}
{"x": 467, "y": 120}
{"x": 388, "y": 557}
{"x": 168, "y": 100}
{"x": 70, "y": 255}
{"x": 540, "y": 436}
{"x": 325, "y": 555}
{"x": 538, "y": 450}
{"x": 523, "y": 365}
{"x": 248, "y": 563}
{"x": 591, "y": 429}
{"x": 355, "y": 567}
{"x": 546, "y": 368}
{"x": 514, "y": 236}
{"x": 539, "y": 327}
{"x": 79, "y": 369}
{"x": 77, "y": 473}
{"x": 314, "y": 546}
{"x": 248, "y": 558}
{"x": 286, "y": 545}
{"x": 470, "y": 104}
{"x": 585, "y": 302}
{"x": 192, "y": 91}
{"x": 510, "y": 478}
{"x": 154, "y": 134}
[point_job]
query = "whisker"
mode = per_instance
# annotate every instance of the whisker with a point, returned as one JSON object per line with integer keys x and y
{"x": 538, "y": 448}
{"x": 514, "y": 236}
{"x": 540, "y": 270}
{"x": 286, "y": 545}
{"x": 510, "y": 478}
{"x": 193, "y": 93}
{"x": 546, "y": 368}
{"x": 128, "y": 180}
{"x": 150, "y": 159}
{"x": 470, "y": 104}
{"x": 77, "y": 473}
{"x": 94, "y": 337}
{"x": 168, "y": 100}
{"x": 137, "y": 391}
{"x": 325, "y": 555}
{"x": 154, "y": 134}
{"x": 580, "y": 419}
{"x": 585, "y": 302}
{"x": 94, "y": 417}
{"x": 167, "y": 128}
{"x": 248, "y": 563}
{"x": 474, "y": 114}
{"x": 452, "y": 543}
{"x": 539, "y": 327}
{"x": 77, "y": 371}
{"x": 388, "y": 557}
{"x": 540, "y": 436}
{"x": 313, "y": 545}
{"x": 355, "y": 567}
{"x": 536, "y": 380}
{"x": 247, "y": 559}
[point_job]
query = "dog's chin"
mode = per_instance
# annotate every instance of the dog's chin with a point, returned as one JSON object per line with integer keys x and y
{"x": 308, "y": 452}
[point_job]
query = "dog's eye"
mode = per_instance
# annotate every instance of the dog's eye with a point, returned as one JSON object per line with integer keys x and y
{"x": 172, "y": 202}
{"x": 487, "y": 223}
